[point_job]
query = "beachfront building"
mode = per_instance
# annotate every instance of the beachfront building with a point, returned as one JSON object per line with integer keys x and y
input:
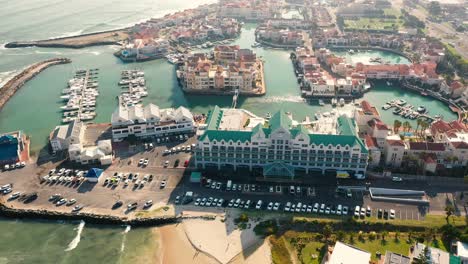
{"x": 83, "y": 143}
{"x": 231, "y": 68}
{"x": 434, "y": 255}
{"x": 280, "y": 147}
{"x": 144, "y": 49}
{"x": 202, "y": 30}
{"x": 14, "y": 147}
{"x": 150, "y": 121}
{"x": 344, "y": 253}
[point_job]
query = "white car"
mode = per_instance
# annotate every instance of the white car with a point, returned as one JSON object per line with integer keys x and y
{"x": 357, "y": 211}
{"x": 339, "y": 208}
{"x": 298, "y": 207}
{"x": 197, "y": 201}
{"x": 166, "y": 163}
{"x": 221, "y": 201}
{"x": 287, "y": 207}
{"x": 270, "y": 206}
{"x": 276, "y": 206}
{"x": 7, "y": 190}
{"x": 247, "y": 204}
{"x": 363, "y": 211}
{"x": 309, "y": 209}
{"x": 15, "y": 195}
{"x": 140, "y": 163}
{"x": 61, "y": 201}
{"x": 316, "y": 208}
{"x": 259, "y": 204}
{"x": 392, "y": 214}
{"x": 163, "y": 184}
{"x": 397, "y": 179}
{"x": 148, "y": 204}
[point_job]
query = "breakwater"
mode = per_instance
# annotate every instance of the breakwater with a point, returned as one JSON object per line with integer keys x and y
{"x": 13, "y": 85}
{"x": 17, "y": 213}
{"x": 109, "y": 37}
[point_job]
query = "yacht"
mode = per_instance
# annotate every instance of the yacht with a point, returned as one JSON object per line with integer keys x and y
{"x": 400, "y": 102}
{"x": 386, "y": 106}
{"x": 396, "y": 111}
{"x": 334, "y": 101}
{"x": 389, "y": 83}
{"x": 421, "y": 109}
{"x": 342, "y": 102}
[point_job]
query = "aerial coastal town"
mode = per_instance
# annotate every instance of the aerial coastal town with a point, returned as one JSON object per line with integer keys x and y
{"x": 362, "y": 179}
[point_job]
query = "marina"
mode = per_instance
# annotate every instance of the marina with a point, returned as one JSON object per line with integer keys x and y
{"x": 80, "y": 96}
{"x": 134, "y": 88}
{"x": 407, "y": 111}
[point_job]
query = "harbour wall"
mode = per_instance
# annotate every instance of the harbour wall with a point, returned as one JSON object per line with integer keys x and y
{"x": 407, "y": 56}
{"x": 13, "y": 85}
{"x": 16, "y": 213}
{"x": 61, "y": 41}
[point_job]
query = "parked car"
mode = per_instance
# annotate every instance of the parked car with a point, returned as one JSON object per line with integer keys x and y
{"x": 397, "y": 179}
{"x": 140, "y": 163}
{"x": 363, "y": 211}
{"x": 231, "y": 203}
{"x": 197, "y": 201}
{"x": 163, "y": 184}
{"x": 247, "y": 204}
{"x": 392, "y": 214}
{"x": 177, "y": 200}
{"x": 220, "y": 202}
{"x": 298, "y": 207}
{"x": 316, "y": 208}
{"x": 357, "y": 211}
{"x": 322, "y": 208}
{"x": 338, "y": 209}
{"x": 287, "y": 207}
{"x": 259, "y": 205}
{"x": 270, "y": 206}
{"x": 379, "y": 213}
{"x": 368, "y": 211}
{"x": 345, "y": 210}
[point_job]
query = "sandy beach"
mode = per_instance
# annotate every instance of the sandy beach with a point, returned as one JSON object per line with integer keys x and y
{"x": 176, "y": 248}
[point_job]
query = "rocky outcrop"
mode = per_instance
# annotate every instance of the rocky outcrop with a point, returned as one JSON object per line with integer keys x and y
{"x": 13, "y": 85}
{"x": 17, "y": 44}
{"x": 6, "y": 211}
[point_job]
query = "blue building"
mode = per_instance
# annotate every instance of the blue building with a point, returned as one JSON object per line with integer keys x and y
{"x": 12, "y": 147}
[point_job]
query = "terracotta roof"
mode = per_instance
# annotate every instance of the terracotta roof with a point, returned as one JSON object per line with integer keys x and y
{"x": 395, "y": 143}
{"x": 456, "y": 85}
{"x": 427, "y": 146}
{"x": 460, "y": 145}
{"x": 370, "y": 141}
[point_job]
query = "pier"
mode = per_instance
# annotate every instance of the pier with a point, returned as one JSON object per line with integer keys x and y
{"x": 407, "y": 111}
{"x": 13, "y": 85}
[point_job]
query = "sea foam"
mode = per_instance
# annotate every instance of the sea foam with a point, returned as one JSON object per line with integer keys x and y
{"x": 76, "y": 240}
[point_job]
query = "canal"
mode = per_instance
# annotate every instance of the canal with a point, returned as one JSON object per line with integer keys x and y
{"x": 35, "y": 108}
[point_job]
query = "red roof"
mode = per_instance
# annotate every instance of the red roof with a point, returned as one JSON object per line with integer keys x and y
{"x": 395, "y": 143}
{"x": 460, "y": 145}
{"x": 441, "y": 126}
{"x": 370, "y": 141}
{"x": 456, "y": 85}
{"x": 427, "y": 146}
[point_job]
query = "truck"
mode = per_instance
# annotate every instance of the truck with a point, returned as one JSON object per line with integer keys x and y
{"x": 229, "y": 185}
{"x": 188, "y": 198}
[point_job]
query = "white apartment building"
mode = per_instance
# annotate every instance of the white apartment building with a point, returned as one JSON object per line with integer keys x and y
{"x": 235, "y": 138}
{"x": 150, "y": 121}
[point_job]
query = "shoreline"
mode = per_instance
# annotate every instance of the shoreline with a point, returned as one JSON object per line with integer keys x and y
{"x": 9, "y": 89}
{"x": 100, "y": 38}
{"x": 99, "y": 219}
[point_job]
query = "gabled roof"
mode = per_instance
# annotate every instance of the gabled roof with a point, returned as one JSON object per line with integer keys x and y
{"x": 346, "y": 125}
{"x": 94, "y": 173}
{"x": 426, "y": 146}
{"x": 227, "y": 135}
{"x": 280, "y": 119}
{"x": 214, "y": 118}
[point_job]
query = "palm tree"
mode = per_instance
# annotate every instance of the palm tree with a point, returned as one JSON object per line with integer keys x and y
{"x": 424, "y": 126}
{"x": 406, "y": 126}
{"x": 396, "y": 126}
{"x": 418, "y": 122}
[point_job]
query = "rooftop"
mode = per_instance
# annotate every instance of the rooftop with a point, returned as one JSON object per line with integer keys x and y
{"x": 344, "y": 253}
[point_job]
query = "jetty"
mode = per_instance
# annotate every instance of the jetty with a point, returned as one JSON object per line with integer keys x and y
{"x": 110, "y": 37}
{"x": 13, "y": 85}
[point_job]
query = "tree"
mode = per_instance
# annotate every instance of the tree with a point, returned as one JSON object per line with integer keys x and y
{"x": 422, "y": 258}
{"x": 418, "y": 123}
{"x": 434, "y": 8}
{"x": 449, "y": 210}
{"x": 406, "y": 126}
{"x": 327, "y": 231}
{"x": 340, "y": 235}
{"x": 384, "y": 235}
{"x": 396, "y": 126}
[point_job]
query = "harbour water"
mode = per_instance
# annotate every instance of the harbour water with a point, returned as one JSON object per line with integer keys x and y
{"x": 35, "y": 108}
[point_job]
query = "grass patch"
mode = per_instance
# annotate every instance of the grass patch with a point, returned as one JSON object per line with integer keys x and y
{"x": 279, "y": 250}
{"x": 366, "y": 23}
{"x": 266, "y": 228}
{"x": 429, "y": 221}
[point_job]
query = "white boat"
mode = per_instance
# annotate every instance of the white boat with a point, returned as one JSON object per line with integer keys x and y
{"x": 386, "y": 106}
{"x": 321, "y": 102}
{"x": 68, "y": 119}
{"x": 389, "y": 83}
{"x": 334, "y": 101}
{"x": 421, "y": 109}
{"x": 342, "y": 102}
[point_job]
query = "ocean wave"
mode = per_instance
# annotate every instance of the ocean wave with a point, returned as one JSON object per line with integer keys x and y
{"x": 48, "y": 52}
{"x": 76, "y": 240}
{"x": 6, "y": 76}
{"x": 124, "y": 238}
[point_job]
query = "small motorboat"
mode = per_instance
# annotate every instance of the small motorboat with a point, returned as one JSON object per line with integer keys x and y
{"x": 421, "y": 109}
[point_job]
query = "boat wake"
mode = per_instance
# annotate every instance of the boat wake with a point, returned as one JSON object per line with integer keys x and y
{"x": 291, "y": 98}
{"x": 76, "y": 240}
{"x": 122, "y": 246}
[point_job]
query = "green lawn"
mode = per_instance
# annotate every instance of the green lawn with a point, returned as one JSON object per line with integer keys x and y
{"x": 430, "y": 221}
{"x": 377, "y": 245}
{"x": 392, "y": 11}
{"x": 366, "y": 23}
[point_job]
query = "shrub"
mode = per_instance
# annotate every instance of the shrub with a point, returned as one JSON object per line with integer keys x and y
{"x": 266, "y": 228}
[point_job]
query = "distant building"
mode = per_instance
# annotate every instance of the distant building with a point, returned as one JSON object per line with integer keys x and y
{"x": 236, "y": 138}
{"x": 462, "y": 252}
{"x": 434, "y": 255}
{"x": 394, "y": 258}
{"x": 150, "y": 121}
{"x": 14, "y": 147}
{"x": 346, "y": 254}
{"x": 84, "y": 143}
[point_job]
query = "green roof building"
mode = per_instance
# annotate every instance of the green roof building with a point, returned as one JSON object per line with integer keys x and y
{"x": 279, "y": 147}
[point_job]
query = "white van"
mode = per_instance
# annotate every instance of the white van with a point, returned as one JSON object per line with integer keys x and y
{"x": 228, "y": 185}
